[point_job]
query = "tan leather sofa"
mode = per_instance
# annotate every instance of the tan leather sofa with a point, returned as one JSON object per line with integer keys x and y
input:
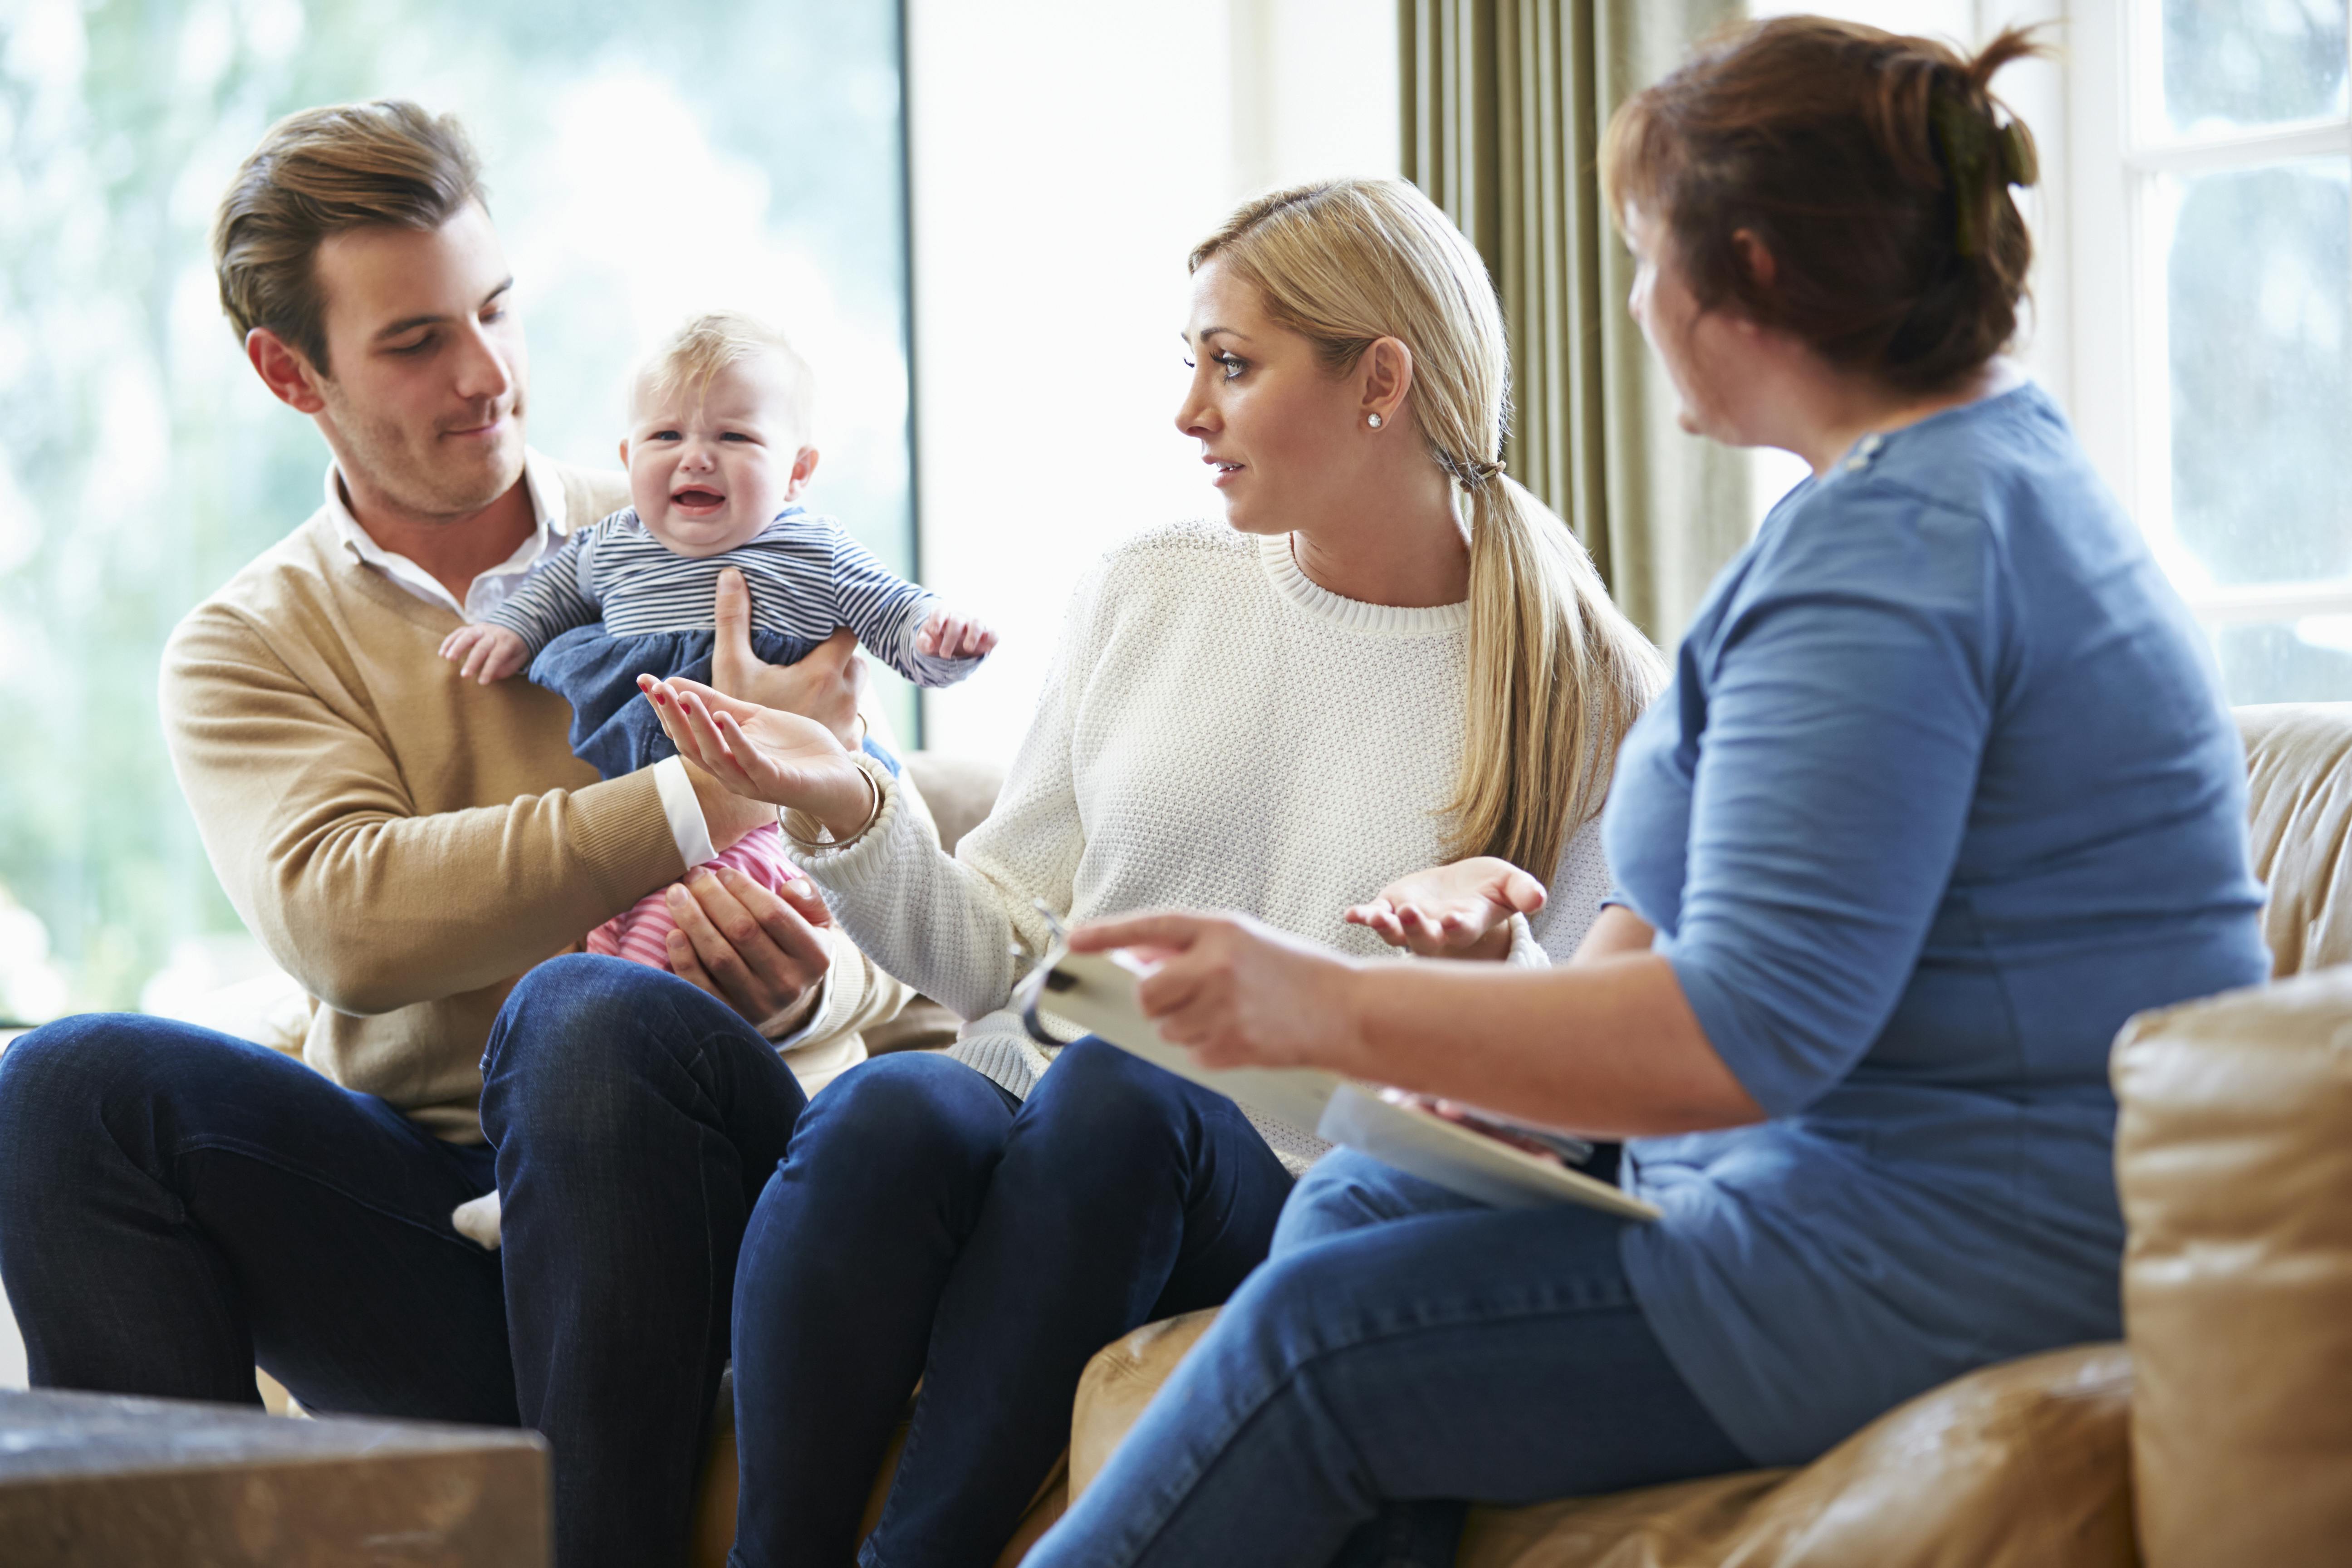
{"x": 2218, "y": 1434}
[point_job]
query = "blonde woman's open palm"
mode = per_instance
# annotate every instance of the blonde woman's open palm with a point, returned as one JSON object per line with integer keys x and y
{"x": 1461, "y": 910}
{"x": 764, "y": 753}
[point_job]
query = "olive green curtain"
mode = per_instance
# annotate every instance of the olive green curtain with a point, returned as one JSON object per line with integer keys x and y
{"x": 1505, "y": 102}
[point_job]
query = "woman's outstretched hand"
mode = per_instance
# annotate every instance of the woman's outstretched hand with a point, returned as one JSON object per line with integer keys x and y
{"x": 1461, "y": 911}
{"x": 1236, "y": 992}
{"x": 763, "y": 752}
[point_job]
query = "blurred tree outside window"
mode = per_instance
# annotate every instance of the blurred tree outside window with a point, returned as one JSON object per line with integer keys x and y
{"x": 2240, "y": 158}
{"x": 642, "y": 165}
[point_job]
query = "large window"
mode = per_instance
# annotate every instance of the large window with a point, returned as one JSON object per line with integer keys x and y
{"x": 1049, "y": 275}
{"x": 641, "y": 165}
{"x": 2215, "y": 295}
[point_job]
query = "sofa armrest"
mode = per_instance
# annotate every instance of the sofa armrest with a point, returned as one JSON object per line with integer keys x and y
{"x": 2233, "y": 1156}
{"x": 2299, "y": 825}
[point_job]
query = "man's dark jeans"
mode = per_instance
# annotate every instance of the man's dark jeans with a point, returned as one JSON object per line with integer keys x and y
{"x": 177, "y": 1206}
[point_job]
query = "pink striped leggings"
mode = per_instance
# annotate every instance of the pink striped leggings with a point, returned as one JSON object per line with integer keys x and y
{"x": 640, "y": 933}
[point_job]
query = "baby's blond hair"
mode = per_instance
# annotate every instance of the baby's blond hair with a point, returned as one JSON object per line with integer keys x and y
{"x": 708, "y": 345}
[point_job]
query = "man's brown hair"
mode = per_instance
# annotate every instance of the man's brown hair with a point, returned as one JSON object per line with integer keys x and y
{"x": 320, "y": 171}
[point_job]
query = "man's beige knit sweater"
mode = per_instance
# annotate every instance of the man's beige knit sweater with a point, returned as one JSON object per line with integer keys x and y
{"x": 406, "y": 844}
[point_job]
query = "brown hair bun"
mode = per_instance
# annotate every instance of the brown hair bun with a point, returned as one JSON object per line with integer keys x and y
{"x": 1874, "y": 169}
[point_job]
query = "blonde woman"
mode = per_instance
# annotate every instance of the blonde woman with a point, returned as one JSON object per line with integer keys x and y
{"x": 1389, "y": 657}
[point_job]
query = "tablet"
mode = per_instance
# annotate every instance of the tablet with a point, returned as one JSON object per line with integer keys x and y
{"x": 1095, "y": 991}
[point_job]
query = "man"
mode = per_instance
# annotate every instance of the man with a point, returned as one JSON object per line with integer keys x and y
{"x": 176, "y": 1205}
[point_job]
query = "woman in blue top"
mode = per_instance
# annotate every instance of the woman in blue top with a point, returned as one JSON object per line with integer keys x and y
{"x": 1942, "y": 792}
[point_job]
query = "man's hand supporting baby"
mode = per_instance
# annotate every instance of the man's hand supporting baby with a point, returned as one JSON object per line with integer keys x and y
{"x": 826, "y": 685}
{"x": 761, "y": 953}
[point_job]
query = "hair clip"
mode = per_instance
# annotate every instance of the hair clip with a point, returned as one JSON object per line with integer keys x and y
{"x": 1970, "y": 142}
{"x": 1964, "y": 136}
{"x": 2018, "y": 163}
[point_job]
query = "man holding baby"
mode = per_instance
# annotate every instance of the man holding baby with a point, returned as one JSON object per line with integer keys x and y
{"x": 177, "y": 1205}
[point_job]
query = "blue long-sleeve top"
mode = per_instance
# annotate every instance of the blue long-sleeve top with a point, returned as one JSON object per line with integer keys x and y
{"x": 1943, "y": 790}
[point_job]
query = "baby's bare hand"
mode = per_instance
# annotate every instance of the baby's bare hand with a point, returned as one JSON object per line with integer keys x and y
{"x": 947, "y": 635}
{"x": 484, "y": 652}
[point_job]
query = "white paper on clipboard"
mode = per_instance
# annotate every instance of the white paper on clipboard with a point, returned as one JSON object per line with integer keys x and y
{"x": 1096, "y": 992}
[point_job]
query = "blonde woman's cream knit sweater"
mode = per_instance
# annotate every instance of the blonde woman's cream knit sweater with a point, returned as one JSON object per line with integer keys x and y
{"x": 1219, "y": 732}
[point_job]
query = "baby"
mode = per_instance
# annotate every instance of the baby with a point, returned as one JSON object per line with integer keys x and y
{"x": 717, "y": 454}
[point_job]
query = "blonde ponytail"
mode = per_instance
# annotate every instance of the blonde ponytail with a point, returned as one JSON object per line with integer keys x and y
{"x": 1556, "y": 676}
{"x": 1557, "y": 672}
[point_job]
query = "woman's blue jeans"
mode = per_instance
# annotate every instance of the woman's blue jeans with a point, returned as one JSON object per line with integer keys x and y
{"x": 1403, "y": 1344}
{"x": 927, "y": 1225}
{"x": 177, "y": 1205}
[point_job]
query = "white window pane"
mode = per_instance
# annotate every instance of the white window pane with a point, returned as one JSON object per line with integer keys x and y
{"x": 2233, "y": 63}
{"x": 2309, "y": 660}
{"x": 2258, "y": 318}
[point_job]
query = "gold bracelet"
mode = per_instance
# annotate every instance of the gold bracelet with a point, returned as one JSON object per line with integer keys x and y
{"x": 873, "y": 812}
{"x": 818, "y": 846}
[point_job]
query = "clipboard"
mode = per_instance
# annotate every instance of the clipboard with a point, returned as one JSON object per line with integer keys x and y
{"x": 1096, "y": 992}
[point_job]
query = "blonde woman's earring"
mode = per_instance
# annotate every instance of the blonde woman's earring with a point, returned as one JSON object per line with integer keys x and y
{"x": 1373, "y": 420}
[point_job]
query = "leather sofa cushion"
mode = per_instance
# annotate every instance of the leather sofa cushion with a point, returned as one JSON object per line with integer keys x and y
{"x": 2016, "y": 1466}
{"x": 1118, "y": 1383}
{"x": 2299, "y": 816}
{"x": 2020, "y": 1465}
{"x": 2234, "y": 1154}
{"x": 960, "y": 791}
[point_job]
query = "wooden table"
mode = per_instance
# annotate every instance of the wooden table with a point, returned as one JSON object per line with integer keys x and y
{"x": 92, "y": 1479}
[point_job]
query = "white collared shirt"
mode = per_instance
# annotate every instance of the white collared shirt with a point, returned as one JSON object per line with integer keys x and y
{"x": 488, "y": 591}
{"x": 549, "y": 525}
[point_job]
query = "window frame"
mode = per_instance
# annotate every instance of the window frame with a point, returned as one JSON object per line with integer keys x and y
{"x": 2119, "y": 151}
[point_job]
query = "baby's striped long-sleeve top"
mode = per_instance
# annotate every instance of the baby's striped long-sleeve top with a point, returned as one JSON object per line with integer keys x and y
{"x": 806, "y": 577}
